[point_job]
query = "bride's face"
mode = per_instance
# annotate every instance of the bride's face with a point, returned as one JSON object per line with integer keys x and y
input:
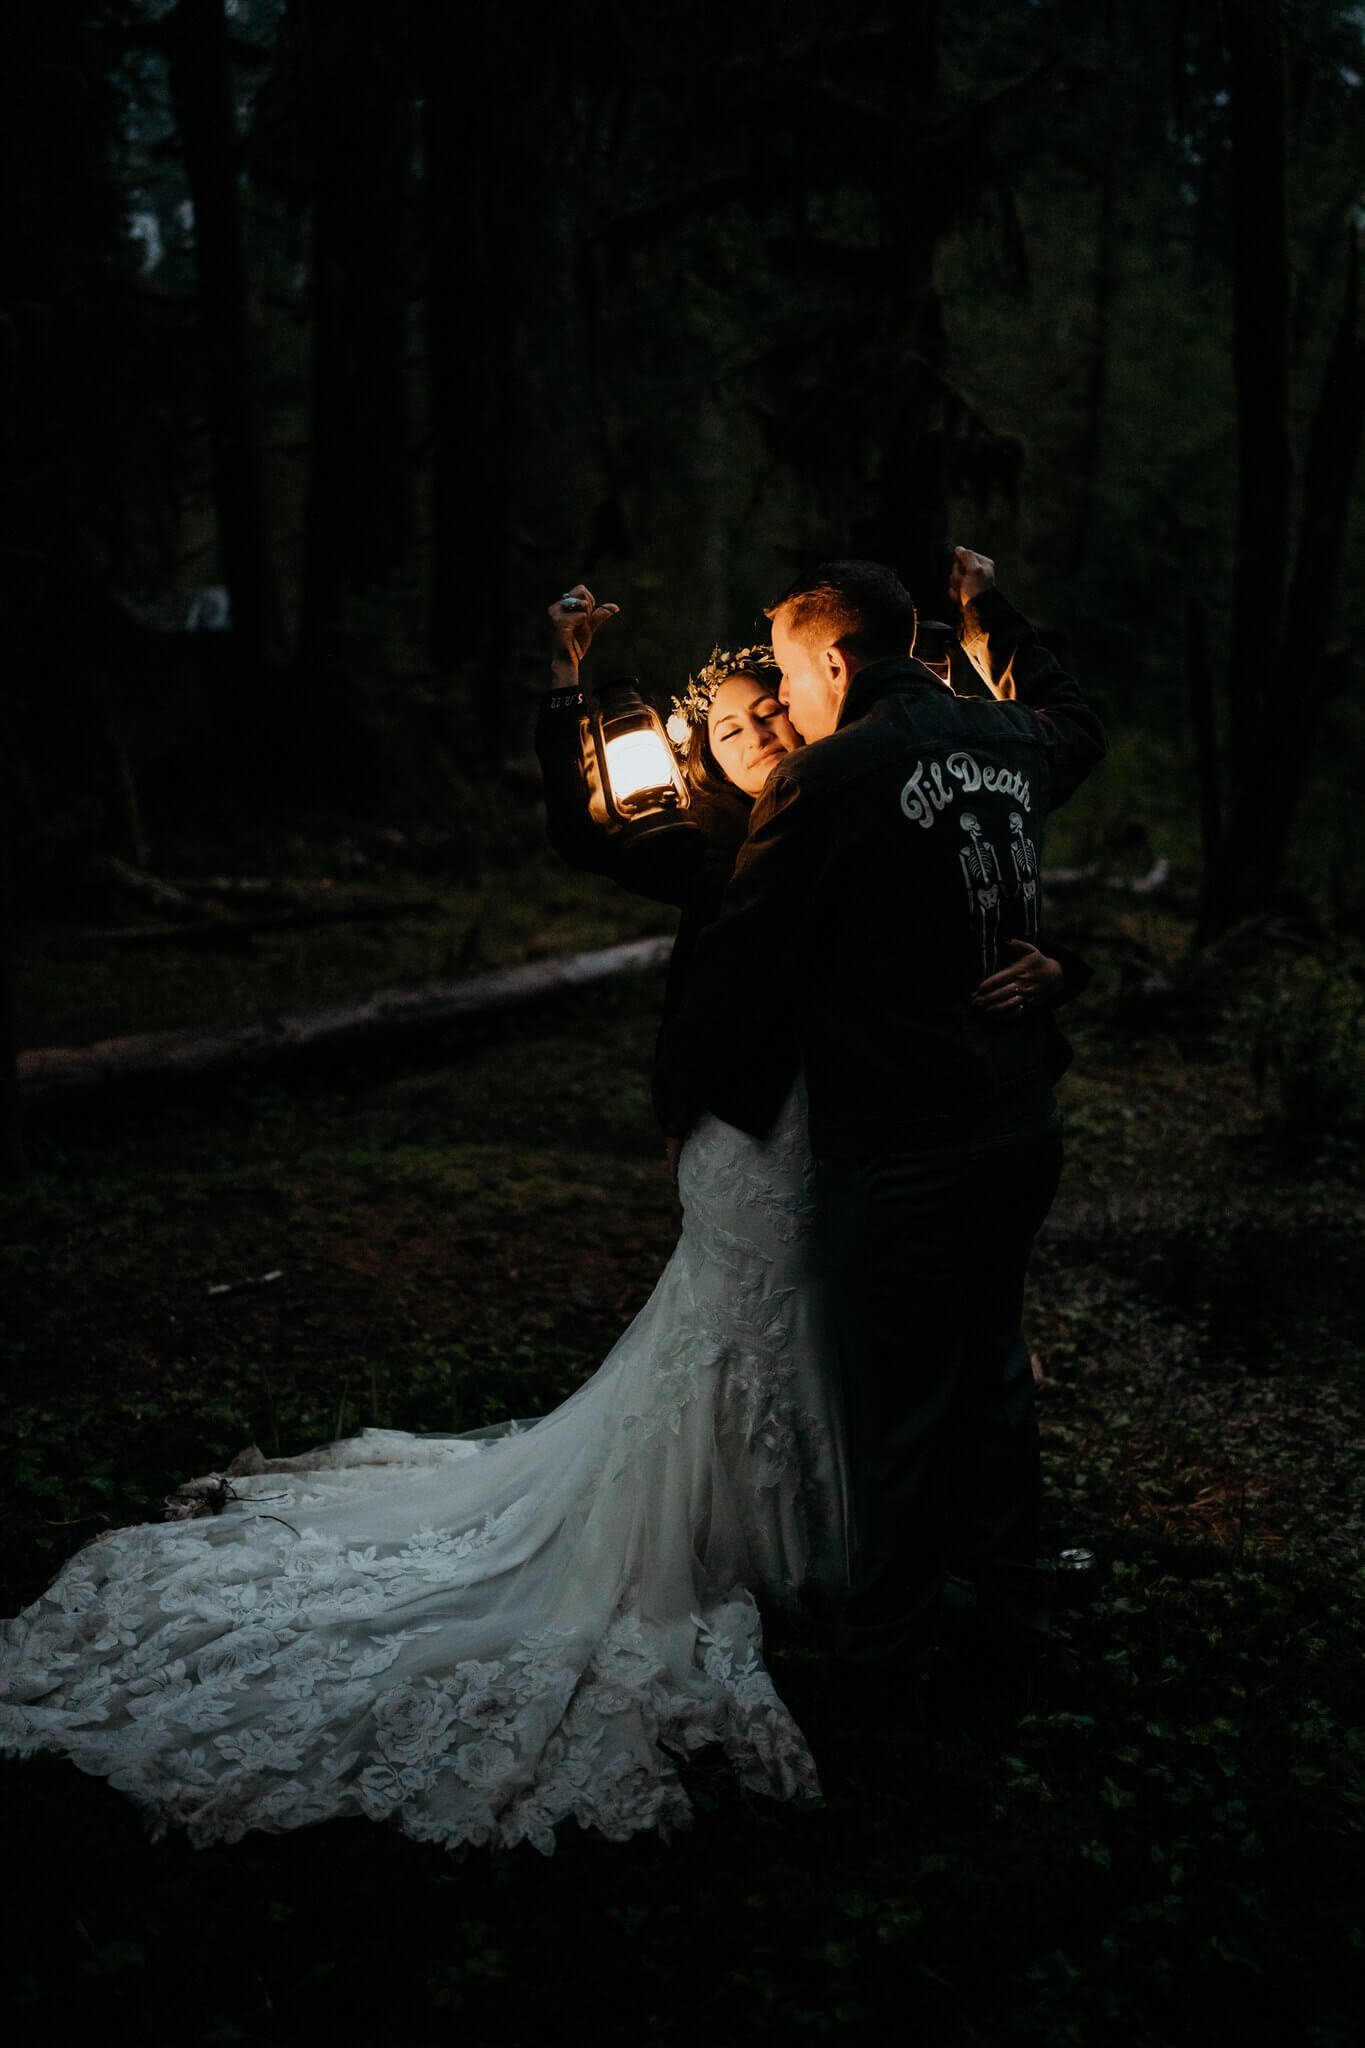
{"x": 749, "y": 731}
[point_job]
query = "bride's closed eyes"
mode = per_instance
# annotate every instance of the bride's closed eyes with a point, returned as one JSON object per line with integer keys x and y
{"x": 729, "y": 728}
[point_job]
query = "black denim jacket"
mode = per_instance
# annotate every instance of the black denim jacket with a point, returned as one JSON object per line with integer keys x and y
{"x": 884, "y": 870}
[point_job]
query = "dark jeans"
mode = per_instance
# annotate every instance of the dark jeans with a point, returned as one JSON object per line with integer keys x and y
{"x": 927, "y": 1253}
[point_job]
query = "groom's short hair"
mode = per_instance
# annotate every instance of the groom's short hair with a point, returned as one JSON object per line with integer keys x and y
{"x": 862, "y": 607}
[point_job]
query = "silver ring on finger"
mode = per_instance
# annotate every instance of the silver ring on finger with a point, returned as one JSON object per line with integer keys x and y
{"x": 571, "y": 604}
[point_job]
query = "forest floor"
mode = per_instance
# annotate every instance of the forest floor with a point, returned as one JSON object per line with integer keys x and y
{"x": 1166, "y": 1847}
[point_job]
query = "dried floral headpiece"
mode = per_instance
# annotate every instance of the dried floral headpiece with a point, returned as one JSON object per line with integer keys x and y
{"x": 689, "y": 710}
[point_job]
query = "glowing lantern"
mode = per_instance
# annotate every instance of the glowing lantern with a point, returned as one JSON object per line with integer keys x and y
{"x": 634, "y": 782}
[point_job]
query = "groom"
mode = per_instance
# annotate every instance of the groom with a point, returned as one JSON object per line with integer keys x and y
{"x": 888, "y": 862}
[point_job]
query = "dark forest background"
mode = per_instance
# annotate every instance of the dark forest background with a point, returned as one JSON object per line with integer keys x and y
{"x": 333, "y": 345}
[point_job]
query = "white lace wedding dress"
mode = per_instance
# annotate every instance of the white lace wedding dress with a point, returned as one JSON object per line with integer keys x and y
{"x": 480, "y": 1638}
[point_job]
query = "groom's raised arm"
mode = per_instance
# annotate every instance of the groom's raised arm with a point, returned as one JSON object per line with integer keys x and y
{"x": 1017, "y": 668}
{"x": 731, "y": 1046}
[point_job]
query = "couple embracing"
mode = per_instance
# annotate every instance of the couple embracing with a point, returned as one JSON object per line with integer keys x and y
{"x": 480, "y": 1637}
{"x": 873, "y": 973}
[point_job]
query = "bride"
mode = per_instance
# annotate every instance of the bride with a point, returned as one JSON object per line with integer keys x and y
{"x": 479, "y": 1637}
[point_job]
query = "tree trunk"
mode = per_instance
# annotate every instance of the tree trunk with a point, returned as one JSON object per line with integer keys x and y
{"x": 358, "y": 531}
{"x": 1270, "y": 775}
{"x": 1104, "y": 292}
{"x": 11, "y": 1150}
{"x": 896, "y": 415}
{"x": 1199, "y": 674}
{"x": 1328, "y": 475}
{"x": 1260, "y": 293}
{"x": 469, "y": 350}
{"x": 201, "y": 86}
{"x": 709, "y": 469}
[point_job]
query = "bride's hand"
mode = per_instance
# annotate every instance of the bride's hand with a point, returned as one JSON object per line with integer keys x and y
{"x": 576, "y": 616}
{"x": 1032, "y": 981}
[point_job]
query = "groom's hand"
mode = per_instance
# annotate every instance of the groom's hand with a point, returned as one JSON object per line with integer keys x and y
{"x": 971, "y": 574}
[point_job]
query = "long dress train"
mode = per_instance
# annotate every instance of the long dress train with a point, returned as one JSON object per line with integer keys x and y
{"x": 480, "y": 1638}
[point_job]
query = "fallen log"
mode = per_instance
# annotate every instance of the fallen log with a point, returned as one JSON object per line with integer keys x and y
{"x": 1150, "y": 884}
{"x": 1070, "y": 878}
{"x": 62, "y": 1072}
{"x": 298, "y": 890}
{"x": 165, "y": 897}
{"x": 229, "y": 931}
{"x": 246, "y": 885}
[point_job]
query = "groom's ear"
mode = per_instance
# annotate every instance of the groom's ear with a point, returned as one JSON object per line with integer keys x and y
{"x": 840, "y": 674}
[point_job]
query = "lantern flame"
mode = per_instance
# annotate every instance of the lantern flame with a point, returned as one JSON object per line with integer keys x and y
{"x": 638, "y": 761}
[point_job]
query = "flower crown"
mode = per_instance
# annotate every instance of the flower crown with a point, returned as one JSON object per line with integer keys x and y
{"x": 689, "y": 710}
